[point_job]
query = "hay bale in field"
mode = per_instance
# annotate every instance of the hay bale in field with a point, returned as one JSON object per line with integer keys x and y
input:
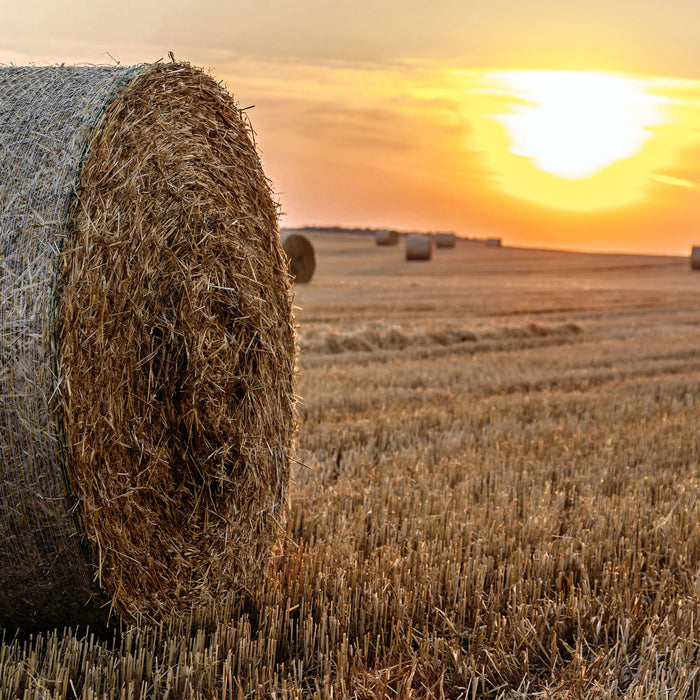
{"x": 300, "y": 252}
{"x": 147, "y": 347}
{"x": 445, "y": 240}
{"x": 493, "y": 242}
{"x": 386, "y": 237}
{"x": 695, "y": 258}
{"x": 419, "y": 246}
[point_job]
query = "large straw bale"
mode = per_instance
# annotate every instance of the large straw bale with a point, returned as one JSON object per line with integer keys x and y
{"x": 493, "y": 242}
{"x": 386, "y": 237}
{"x": 419, "y": 246}
{"x": 695, "y": 258}
{"x": 445, "y": 239}
{"x": 300, "y": 253}
{"x": 147, "y": 347}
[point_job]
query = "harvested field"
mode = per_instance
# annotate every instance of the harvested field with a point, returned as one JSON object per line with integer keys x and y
{"x": 496, "y": 495}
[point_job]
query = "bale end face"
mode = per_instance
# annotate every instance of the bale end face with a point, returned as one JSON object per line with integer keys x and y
{"x": 300, "y": 255}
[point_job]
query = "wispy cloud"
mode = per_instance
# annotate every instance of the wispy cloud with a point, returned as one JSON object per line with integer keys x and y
{"x": 674, "y": 181}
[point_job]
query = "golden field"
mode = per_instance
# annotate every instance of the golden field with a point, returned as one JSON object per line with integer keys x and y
{"x": 496, "y": 495}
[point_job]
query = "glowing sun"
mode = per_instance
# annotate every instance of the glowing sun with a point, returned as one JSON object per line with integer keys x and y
{"x": 574, "y": 140}
{"x": 574, "y": 124}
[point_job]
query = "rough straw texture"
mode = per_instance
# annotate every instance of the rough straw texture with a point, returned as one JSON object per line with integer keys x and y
{"x": 146, "y": 403}
{"x": 419, "y": 247}
{"x": 302, "y": 260}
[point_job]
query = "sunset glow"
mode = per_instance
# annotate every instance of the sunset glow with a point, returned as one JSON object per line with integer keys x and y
{"x": 581, "y": 141}
{"x": 556, "y": 125}
{"x": 575, "y": 124}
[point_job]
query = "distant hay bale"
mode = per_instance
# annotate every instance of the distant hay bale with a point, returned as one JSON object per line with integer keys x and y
{"x": 445, "y": 240}
{"x": 386, "y": 237}
{"x": 695, "y": 258}
{"x": 300, "y": 252}
{"x": 419, "y": 247}
{"x": 147, "y": 347}
{"x": 493, "y": 242}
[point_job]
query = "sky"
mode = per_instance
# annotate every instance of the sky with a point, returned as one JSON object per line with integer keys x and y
{"x": 546, "y": 122}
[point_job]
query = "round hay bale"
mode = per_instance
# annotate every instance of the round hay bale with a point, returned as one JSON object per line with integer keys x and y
{"x": 445, "y": 240}
{"x": 386, "y": 237}
{"x": 147, "y": 347}
{"x": 695, "y": 258}
{"x": 419, "y": 246}
{"x": 300, "y": 252}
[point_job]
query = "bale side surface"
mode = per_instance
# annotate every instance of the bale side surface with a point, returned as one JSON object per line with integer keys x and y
{"x": 46, "y": 115}
{"x": 419, "y": 247}
{"x": 300, "y": 252}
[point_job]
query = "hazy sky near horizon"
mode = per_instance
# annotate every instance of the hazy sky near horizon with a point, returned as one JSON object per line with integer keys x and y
{"x": 365, "y": 112}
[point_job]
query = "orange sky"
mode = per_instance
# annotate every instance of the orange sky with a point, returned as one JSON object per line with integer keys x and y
{"x": 388, "y": 113}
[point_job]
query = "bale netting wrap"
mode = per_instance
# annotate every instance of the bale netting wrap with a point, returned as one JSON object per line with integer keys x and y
{"x": 147, "y": 347}
{"x": 300, "y": 252}
{"x": 695, "y": 258}
{"x": 386, "y": 237}
{"x": 419, "y": 246}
